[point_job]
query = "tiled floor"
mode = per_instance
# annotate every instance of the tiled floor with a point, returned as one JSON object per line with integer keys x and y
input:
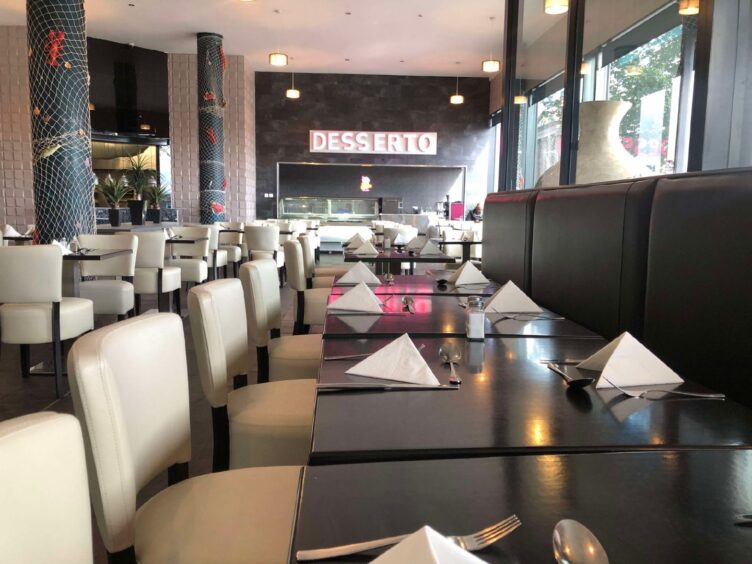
{"x": 21, "y": 396}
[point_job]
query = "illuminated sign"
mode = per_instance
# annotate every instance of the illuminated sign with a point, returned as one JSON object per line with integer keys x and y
{"x": 373, "y": 142}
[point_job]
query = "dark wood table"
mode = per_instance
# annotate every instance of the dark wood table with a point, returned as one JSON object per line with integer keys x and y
{"x": 508, "y": 403}
{"x": 394, "y": 259}
{"x": 18, "y": 239}
{"x": 465, "y": 246}
{"x": 422, "y": 285}
{"x": 72, "y": 267}
{"x": 670, "y": 507}
{"x": 437, "y": 316}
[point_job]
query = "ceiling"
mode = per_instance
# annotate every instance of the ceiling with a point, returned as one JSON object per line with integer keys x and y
{"x": 400, "y": 37}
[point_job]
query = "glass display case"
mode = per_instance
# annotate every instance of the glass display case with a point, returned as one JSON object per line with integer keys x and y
{"x": 329, "y": 209}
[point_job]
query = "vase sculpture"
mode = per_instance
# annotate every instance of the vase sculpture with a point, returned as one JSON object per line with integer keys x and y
{"x": 600, "y": 154}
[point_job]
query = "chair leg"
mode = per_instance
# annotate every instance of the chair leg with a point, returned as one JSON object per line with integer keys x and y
{"x": 25, "y": 360}
{"x": 125, "y": 556}
{"x": 281, "y": 277}
{"x": 297, "y": 328}
{"x": 306, "y": 329}
{"x": 221, "y": 432}
{"x": 177, "y": 473}
{"x": 122, "y": 317}
{"x": 161, "y": 303}
{"x": 263, "y": 364}
{"x": 236, "y": 269}
{"x": 176, "y": 300}
{"x": 57, "y": 349}
{"x": 137, "y": 304}
{"x": 239, "y": 381}
{"x": 225, "y": 272}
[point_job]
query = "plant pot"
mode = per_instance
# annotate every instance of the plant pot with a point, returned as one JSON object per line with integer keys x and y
{"x": 137, "y": 211}
{"x": 114, "y": 217}
{"x": 154, "y": 215}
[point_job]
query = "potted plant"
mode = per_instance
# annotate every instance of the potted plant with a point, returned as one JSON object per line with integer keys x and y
{"x": 155, "y": 195}
{"x": 114, "y": 192}
{"x": 139, "y": 178}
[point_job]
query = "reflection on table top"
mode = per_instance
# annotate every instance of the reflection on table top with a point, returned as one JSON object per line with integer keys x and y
{"x": 422, "y": 284}
{"x": 441, "y": 315}
{"x": 397, "y": 256}
{"x": 509, "y": 403}
{"x": 669, "y": 507}
{"x": 97, "y": 254}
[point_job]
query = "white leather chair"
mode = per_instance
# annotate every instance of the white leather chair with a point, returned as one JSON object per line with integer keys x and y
{"x": 45, "y": 515}
{"x": 34, "y": 311}
{"x": 279, "y": 358}
{"x": 218, "y": 258}
{"x": 115, "y": 296}
{"x": 134, "y": 412}
{"x": 309, "y": 304}
{"x": 312, "y": 230}
{"x": 152, "y": 276}
{"x": 191, "y": 259}
{"x": 233, "y": 244}
{"x": 263, "y": 242}
{"x": 258, "y": 425}
{"x": 317, "y": 276}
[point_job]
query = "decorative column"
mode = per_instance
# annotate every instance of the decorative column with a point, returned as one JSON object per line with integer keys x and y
{"x": 60, "y": 124}
{"x": 211, "y": 110}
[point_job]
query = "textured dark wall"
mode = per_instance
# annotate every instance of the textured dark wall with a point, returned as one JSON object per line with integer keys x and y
{"x": 416, "y": 186}
{"x": 370, "y": 103}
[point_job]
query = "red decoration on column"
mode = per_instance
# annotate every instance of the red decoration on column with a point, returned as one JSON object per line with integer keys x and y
{"x": 54, "y": 46}
{"x": 209, "y": 96}
{"x": 222, "y": 57}
{"x": 224, "y": 184}
{"x": 217, "y": 207}
{"x": 211, "y": 135}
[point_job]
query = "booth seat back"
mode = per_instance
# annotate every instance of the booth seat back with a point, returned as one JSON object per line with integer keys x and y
{"x": 589, "y": 254}
{"x": 698, "y": 308}
{"x": 508, "y": 236}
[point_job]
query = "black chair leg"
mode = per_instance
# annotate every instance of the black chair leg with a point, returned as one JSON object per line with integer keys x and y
{"x": 25, "y": 360}
{"x": 221, "y": 432}
{"x": 263, "y": 364}
{"x": 57, "y": 349}
{"x": 122, "y": 317}
{"x": 240, "y": 381}
{"x": 297, "y": 328}
{"x": 281, "y": 277}
{"x": 125, "y": 556}
{"x": 236, "y": 269}
{"x": 137, "y": 304}
{"x": 176, "y": 300}
{"x": 177, "y": 473}
{"x": 225, "y": 275}
{"x": 306, "y": 329}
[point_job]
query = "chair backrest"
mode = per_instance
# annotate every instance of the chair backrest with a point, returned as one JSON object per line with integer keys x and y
{"x": 699, "y": 297}
{"x": 296, "y": 276}
{"x": 45, "y": 514}
{"x": 117, "y": 266}
{"x": 151, "y": 249}
{"x": 129, "y": 383}
{"x": 262, "y": 299}
{"x": 232, "y": 238}
{"x": 309, "y": 255}
{"x": 454, "y": 251}
{"x": 262, "y": 237}
{"x": 197, "y": 250}
{"x": 589, "y": 256}
{"x": 220, "y": 335}
{"x": 31, "y": 274}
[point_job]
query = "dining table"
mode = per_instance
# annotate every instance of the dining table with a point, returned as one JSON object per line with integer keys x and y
{"x": 18, "y": 239}
{"x": 72, "y": 266}
{"x": 392, "y": 259}
{"x": 509, "y": 403}
{"x": 420, "y": 285}
{"x": 466, "y": 246}
{"x": 671, "y": 507}
{"x": 437, "y": 316}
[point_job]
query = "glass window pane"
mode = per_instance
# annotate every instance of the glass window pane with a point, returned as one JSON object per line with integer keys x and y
{"x": 636, "y": 97}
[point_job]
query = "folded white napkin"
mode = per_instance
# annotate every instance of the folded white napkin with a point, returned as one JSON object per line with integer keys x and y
{"x": 360, "y": 298}
{"x": 426, "y": 546}
{"x": 9, "y": 231}
{"x": 360, "y": 323}
{"x": 400, "y": 360}
{"x": 430, "y": 249}
{"x": 399, "y": 240}
{"x": 510, "y": 299}
{"x": 415, "y": 244}
{"x": 627, "y": 362}
{"x": 366, "y": 249}
{"x": 64, "y": 249}
{"x": 359, "y": 273}
{"x": 169, "y": 233}
{"x": 467, "y": 274}
{"x": 355, "y": 241}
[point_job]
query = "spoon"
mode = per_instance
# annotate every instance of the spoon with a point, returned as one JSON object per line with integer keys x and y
{"x": 572, "y": 382}
{"x": 450, "y": 354}
{"x": 574, "y": 543}
{"x": 408, "y": 302}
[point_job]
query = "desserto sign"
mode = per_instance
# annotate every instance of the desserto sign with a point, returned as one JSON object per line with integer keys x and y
{"x": 373, "y": 142}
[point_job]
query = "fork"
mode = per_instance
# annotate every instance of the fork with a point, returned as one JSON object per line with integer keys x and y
{"x": 472, "y": 542}
{"x": 531, "y": 316}
{"x": 643, "y": 393}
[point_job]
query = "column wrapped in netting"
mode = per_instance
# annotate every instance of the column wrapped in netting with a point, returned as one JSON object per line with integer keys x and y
{"x": 60, "y": 124}
{"x": 211, "y": 110}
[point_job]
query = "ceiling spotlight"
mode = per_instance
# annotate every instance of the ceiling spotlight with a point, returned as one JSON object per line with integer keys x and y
{"x": 278, "y": 59}
{"x": 520, "y": 100}
{"x": 457, "y": 98}
{"x": 556, "y": 7}
{"x": 491, "y": 65}
{"x": 689, "y": 7}
{"x": 292, "y": 92}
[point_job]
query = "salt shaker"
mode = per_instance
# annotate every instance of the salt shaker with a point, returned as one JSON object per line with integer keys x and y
{"x": 387, "y": 243}
{"x": 475, "y": 319}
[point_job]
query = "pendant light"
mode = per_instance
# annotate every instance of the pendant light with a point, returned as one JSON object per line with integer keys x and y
{"x": 520, "y": 100}
{"x": 491, "y": 65}
{"x": 457, "y": 98}
{"x": 556, "y": 7}
{"x": 277, "y": 59}
{"x": 689, "y": 7}
{"x": 292, "y": 92}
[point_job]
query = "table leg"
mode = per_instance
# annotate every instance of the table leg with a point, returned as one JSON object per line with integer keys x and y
{"x": 395, "y": 268}
{"x": 465, "y": 253}
{"x": 71, "y": 278}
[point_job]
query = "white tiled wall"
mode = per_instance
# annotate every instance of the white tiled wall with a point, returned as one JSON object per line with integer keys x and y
{"x": 240, "y": 133}
{"x": 16, "y": 177}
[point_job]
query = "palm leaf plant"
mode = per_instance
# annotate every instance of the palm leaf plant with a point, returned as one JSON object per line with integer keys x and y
{"x": 157, "y": 193}
{"x": 139, "y": 175}
{"x": 114, "y": 191}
